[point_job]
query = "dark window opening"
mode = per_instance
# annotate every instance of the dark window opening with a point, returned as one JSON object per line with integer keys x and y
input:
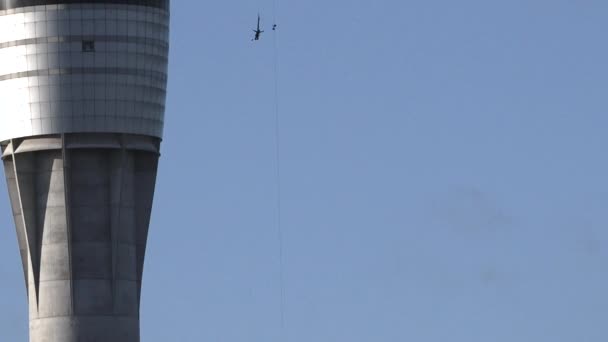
{"x": 88, "y": 46}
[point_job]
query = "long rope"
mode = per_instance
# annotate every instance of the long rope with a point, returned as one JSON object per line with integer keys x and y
{"x": 277, "y": 125}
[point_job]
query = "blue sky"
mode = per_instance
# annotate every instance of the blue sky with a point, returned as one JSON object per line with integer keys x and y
{"x": 443, "y": 175}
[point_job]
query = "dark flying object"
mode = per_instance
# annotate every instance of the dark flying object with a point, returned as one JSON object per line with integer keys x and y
{"x": 257, "y": 31}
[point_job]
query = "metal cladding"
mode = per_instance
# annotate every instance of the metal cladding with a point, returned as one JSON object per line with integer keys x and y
{"x": 10, "y": 4}
{"x": 83, "y": 66}
{"x": 82, "y": 101}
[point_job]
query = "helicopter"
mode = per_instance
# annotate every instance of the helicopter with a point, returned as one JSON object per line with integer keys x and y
{"x": 257, "y": 31}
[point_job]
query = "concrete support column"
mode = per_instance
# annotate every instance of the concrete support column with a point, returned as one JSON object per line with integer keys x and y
{"x": 81, "y": 204}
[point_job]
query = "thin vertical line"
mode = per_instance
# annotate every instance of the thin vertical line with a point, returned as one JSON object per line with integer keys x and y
{"x": 274, "y": 13}
{"x": 277, "y": 124}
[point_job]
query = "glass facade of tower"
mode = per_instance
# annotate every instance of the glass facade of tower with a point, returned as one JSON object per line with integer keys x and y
{"x": 83, "y": 66}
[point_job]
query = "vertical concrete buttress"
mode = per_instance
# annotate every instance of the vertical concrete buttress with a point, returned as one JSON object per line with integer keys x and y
{"x": 81, "y": 205}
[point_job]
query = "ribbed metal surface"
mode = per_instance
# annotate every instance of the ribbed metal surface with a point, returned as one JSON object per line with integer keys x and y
{"x": 83, "y": 67}
{"x": 12, "y": 4}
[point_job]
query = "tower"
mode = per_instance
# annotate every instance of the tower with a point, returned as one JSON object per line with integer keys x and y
{"x": 82, "y": 98}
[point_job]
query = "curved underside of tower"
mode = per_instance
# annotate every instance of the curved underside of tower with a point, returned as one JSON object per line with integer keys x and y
{"x": 82, "y": 101}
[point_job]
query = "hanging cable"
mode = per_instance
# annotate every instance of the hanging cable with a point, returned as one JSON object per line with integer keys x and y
{"x": 277, "y": 124}
{"x": 274, "y": 16}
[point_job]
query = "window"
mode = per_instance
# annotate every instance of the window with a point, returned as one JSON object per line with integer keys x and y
{"x": 88, "y": 46}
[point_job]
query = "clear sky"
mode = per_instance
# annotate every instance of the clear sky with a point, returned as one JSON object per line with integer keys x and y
{"x": 443, "y": 175}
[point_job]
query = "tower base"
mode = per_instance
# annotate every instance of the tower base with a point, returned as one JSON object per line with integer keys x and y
{"x": 81, "y": 205}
